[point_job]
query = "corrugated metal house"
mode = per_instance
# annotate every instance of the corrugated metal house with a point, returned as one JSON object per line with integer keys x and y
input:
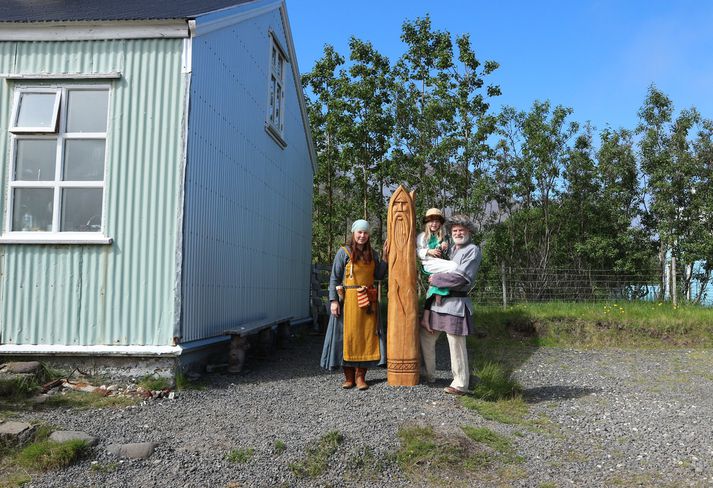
{"x": 157, "y": 174}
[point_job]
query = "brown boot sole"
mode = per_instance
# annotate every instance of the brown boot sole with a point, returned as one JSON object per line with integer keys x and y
{"x": 347, "y": 385}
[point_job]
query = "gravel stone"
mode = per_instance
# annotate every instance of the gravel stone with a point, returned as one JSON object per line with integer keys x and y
{"x": 72, "y": 435}
{"x": 597, "y": 418}
{"x": 137, "y": 450}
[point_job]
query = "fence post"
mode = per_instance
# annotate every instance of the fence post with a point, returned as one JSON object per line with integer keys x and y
{"x": 505, "y": 289}
{"x": 674, "y": 294}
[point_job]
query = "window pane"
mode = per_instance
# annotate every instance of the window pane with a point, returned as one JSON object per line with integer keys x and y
{"x": 87, "y": 110}
{"x": 81, "y": 210}
{"x": 272, "y": 98}
{"x": 32, "y": 209}
{"x": 84, "y": 159}
{"x": 35, "y": 159}
{"x": 36, "y": 110}
{"x": 278, "y": 105}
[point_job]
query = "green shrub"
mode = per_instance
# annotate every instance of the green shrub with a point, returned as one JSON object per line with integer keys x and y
{"x": 240, "y": 456}
{"x": 46, "y": 455}
{"x": 495, "y": 383}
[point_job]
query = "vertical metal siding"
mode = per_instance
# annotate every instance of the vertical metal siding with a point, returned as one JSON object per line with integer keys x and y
{"x": 121, "y": 294}
{"x": 247, "y": 227}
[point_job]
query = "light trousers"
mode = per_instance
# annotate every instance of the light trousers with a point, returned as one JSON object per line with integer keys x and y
{"x": 459, "y": 358}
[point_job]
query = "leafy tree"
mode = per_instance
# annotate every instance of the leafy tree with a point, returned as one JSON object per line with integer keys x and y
{"x": 368, "y": 127}
{"x": 672, "y": 173}
{"x": 442, "y": 124}
{"x": 327, "y": 113}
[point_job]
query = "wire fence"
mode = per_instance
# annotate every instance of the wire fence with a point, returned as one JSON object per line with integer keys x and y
{"x": 510, "y": 286}
{"x": 523, "y": 285}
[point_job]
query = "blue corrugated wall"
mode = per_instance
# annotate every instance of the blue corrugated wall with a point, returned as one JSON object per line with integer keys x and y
{"x": 247, "y": 224}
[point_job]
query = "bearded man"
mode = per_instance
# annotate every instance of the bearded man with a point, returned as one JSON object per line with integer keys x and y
{"x": 453, "y": 315}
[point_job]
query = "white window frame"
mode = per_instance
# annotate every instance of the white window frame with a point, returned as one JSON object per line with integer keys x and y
{"x": 39, "y": 129}
{"x": 274, "y": 126}
{"x": 55, "y": 235}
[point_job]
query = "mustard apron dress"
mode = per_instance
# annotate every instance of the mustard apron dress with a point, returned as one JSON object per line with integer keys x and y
{"x": 361, "y": 341}
{"x": 354, "y": 338}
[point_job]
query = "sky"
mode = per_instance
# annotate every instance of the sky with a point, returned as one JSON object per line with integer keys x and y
{"x": 596, "y": 57}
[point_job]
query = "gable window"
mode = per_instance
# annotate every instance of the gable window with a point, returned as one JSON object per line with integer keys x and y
{"x": 58, "y": 152}
{"x": 276, "y": 91}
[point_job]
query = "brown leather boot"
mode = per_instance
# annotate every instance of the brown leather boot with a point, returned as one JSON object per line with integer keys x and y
{"x": 348, "y": 378}
{"x": 361, "y": 379}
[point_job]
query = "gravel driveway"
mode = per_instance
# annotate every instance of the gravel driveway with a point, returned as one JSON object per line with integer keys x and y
{"x": 616, "y": 418}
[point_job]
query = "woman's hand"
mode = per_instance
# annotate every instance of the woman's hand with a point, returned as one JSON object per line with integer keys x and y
{"x": 334, "y": 308}
{"x": 436, "y": 253}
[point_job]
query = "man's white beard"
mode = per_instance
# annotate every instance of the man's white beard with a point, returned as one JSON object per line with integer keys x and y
{"x": 461, "y": 240}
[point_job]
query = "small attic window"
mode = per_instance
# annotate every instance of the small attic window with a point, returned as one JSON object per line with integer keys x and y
{"x": 275, "y": 123}
{"x": 36, "y": 111}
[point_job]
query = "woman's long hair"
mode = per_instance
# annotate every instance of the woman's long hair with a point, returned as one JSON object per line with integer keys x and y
{"x": 440, "y": 233}
{"x": 365, "y": 255}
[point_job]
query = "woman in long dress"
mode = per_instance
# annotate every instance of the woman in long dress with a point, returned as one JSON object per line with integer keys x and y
{"x": 355, "y": 339}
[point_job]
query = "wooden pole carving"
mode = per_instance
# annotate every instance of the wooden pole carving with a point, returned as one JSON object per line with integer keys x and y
{"x": 403, "y": 350}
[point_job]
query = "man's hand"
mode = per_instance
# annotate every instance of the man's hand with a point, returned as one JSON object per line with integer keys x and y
{"x": 385, "y": 251}
{"x": 334, "y": 308}
{"x": 426, "y": 325}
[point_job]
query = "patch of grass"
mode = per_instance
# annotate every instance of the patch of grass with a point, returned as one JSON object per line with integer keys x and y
{"x": 422, "y": 446}
{"x": 6, "y": 413}
{"x": 240, "y": 456}
{"x": 496, "y": 383}
{"x": 506, "y": 411}
{"x": 315, "y": 463}
{"x": 279, "y": 447}
{"x": 434, "y": 458}
{"x": 17, "y": 388}
{"x": 42, "y": 432}
{"x": 82, "y": 400}
{"x": 14, "y": 479}
{"x": 104, "y": 468}
{"x": 603, "y": 324}
{"x": 46, "y": 455}
{"x": 183, "y": 382}
{"x": 364, "y": 465}
{"x": 153, "y": 382}
{"x": 491, "y": 439}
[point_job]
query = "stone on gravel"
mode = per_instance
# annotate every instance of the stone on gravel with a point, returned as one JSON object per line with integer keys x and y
{"x": 138, "y": 450}
{"x": 21, "y": 367}
{"x": 15, "y": 433}
{"x": 85, "y": 387}
{"x": 72, "y": 435}
{"x": 40, "y": 399}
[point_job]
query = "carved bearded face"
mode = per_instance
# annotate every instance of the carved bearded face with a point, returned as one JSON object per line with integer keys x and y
{"x": 401, "y": 208}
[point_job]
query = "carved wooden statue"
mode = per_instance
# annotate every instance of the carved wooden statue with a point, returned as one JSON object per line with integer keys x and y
{"x": 403, "y": 353}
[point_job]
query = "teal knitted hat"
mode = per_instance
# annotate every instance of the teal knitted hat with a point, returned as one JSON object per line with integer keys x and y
{"x": 360, "y": 224}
